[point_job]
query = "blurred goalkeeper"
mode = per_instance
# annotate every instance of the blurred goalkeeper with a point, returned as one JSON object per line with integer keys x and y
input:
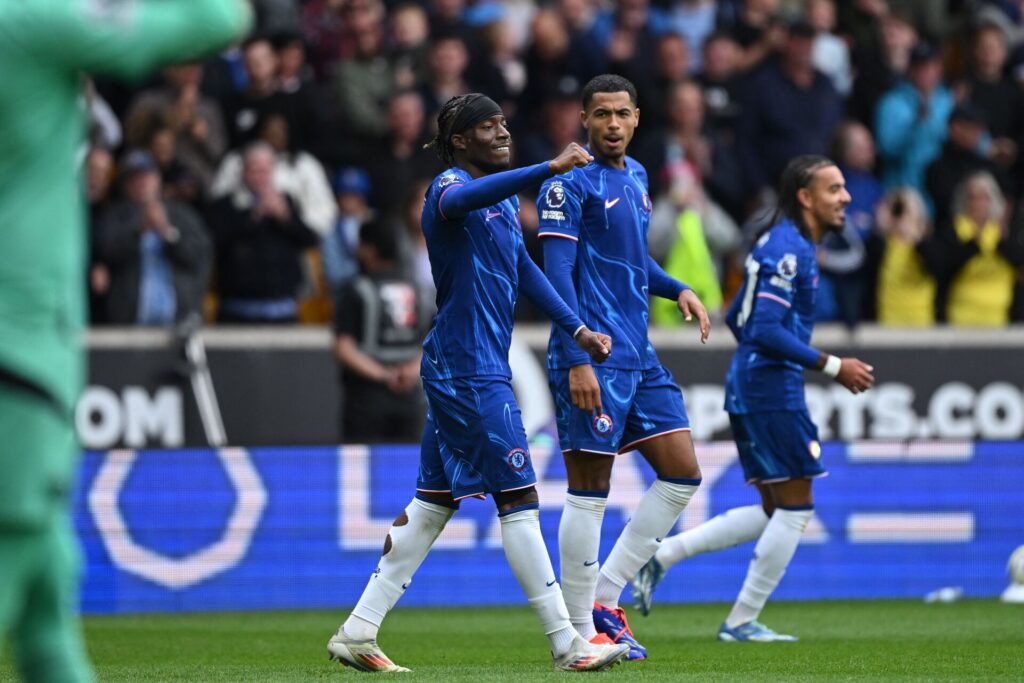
{"x": 45, "y": 48}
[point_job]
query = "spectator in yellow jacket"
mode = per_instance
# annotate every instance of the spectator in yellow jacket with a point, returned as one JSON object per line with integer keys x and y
{"x": 980, "y": 258}
{"x": 905, "y": 283}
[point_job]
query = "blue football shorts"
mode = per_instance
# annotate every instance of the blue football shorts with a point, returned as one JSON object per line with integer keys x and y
{"x": 777, "y": 446}
{"x": 636, "y": 405}
{"x": 474, "y": 442}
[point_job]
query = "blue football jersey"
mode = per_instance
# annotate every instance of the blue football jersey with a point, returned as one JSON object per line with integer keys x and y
{"x": 772, "y": 318}
{"x": 474, "y": 263}
{"x": 607, "y": 211}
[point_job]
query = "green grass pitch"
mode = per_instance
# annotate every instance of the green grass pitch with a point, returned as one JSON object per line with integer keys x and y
{"x": 977, "y": 640}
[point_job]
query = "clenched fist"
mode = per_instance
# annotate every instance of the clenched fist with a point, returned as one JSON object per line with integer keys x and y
{"x": 571, "y": 157}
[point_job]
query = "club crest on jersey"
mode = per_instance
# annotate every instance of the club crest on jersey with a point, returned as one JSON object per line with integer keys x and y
{"x": 518, "y": 459}
{"x": 814, "y": 448}
{"x": 555, "y": 196}
{"x": 648, "y": 206}
{"x": 603, "y": 424}
{"x": 787, "y": 266}
{"x": 448, "y": 180}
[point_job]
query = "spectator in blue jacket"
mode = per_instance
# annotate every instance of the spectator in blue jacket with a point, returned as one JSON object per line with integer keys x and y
{"x": 911, "y": 121}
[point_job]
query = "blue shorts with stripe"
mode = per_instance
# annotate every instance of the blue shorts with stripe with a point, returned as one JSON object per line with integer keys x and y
{"x": 637, "y": 405}
{"x": 474, "y": 442}
{"x": 777, "y": 445}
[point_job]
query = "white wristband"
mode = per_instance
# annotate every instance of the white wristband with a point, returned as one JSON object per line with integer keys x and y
{"x": 832, "y": 366}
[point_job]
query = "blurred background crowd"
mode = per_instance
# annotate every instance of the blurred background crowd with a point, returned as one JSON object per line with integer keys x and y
{"x": 282, "y": 180}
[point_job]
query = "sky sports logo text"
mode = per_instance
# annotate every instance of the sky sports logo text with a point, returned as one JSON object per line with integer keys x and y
{"x": 891, "y": 410}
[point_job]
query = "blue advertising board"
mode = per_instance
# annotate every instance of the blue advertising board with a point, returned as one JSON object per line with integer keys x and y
{"x": 271, "y": 527}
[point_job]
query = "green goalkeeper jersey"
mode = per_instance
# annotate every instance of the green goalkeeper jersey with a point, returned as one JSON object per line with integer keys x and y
{"x": 45, "y": 48}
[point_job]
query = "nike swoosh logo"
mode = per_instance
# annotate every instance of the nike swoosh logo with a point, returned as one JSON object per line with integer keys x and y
{"x": 658, "y": 540}
{"x": 493, "y": 214}
{"x": 404, "y": 586}
{"x": 551, "y": 582}
{"x": 609, "y": 203}
{"x": 590, "y": 564}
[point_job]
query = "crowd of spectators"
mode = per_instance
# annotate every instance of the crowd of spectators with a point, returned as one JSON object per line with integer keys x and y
{"x": 239, "y": 188}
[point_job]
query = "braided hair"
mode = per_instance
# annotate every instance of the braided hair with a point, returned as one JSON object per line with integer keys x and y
{"x": 798, "y": 174}
{"x": 442, "y": 142}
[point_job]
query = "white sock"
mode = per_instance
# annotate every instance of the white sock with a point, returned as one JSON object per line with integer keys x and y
{"x": 528, "y": 558}
{"x": 410, "y": 543}
{"x": 730, "y": 528}
{"x": 771, "y": 557}
{"x": 653, "y": 519}
{"x": 579, "y": 541}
